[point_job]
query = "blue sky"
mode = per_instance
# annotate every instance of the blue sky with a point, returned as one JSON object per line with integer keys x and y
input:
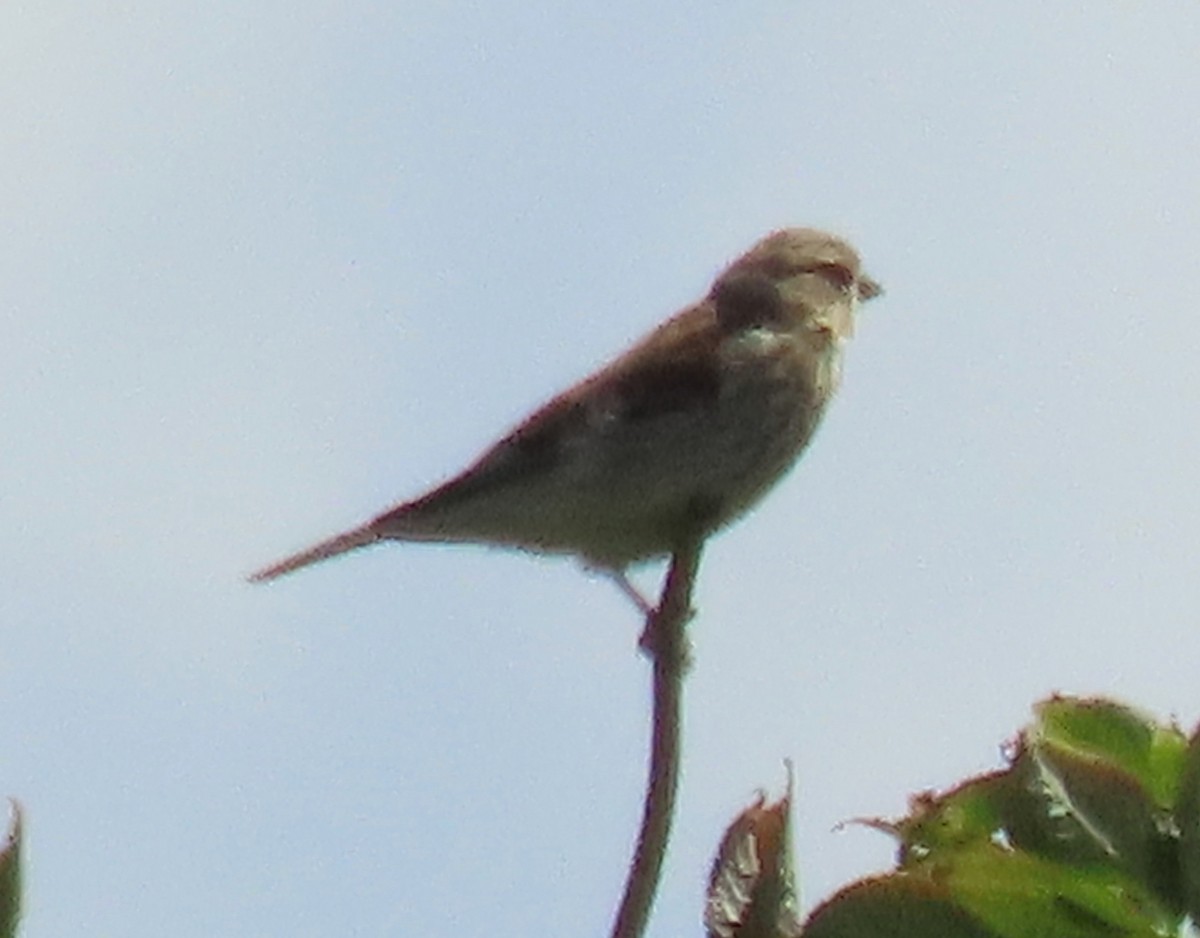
{"x": 267, "y": 268}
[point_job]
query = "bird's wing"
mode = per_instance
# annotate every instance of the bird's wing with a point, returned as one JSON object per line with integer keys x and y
{"x": 672, "y": 369}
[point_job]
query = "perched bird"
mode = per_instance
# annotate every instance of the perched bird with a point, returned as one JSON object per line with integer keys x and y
{"x": 675, "y": 438}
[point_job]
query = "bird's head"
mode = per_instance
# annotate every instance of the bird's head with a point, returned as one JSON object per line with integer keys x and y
{"x": 805, "y": 277}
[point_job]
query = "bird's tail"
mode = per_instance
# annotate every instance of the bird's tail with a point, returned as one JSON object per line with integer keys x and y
{"x": 340, "y": 544}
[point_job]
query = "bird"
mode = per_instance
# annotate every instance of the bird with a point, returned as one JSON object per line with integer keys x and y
{"x": 675, "y": 438}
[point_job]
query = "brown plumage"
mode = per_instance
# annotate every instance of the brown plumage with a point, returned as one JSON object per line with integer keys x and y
{"x": 688, "y": 427}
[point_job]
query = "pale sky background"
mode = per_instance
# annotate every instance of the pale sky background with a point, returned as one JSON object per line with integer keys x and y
{"x": 266, "y": 268}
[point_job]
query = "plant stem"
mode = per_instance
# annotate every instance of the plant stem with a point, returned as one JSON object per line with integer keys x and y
{"x": 664, "y": 641}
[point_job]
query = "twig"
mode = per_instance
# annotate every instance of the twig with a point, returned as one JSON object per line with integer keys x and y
{"x": 663, "y": 640}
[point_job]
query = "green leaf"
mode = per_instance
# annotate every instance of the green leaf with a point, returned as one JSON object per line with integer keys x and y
{"x": 1076, "y": 809}
{"x": 897, "y": 906}
{"x": 973, "y": 812}
{"x": 1018, "y": 895}
{"x": 10, "y": 875}
{"x": 1118, "y": 735}
{"x": 1187, "y": 815}
{"x": 988, "y": 891}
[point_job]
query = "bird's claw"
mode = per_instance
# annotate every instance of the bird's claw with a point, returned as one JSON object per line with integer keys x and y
{"x": 667, "y": 645}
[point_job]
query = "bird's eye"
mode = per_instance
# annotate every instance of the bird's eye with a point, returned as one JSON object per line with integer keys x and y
{"x": 839, "y": 275}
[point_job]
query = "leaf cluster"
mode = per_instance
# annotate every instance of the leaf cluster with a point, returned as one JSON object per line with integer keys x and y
{"x": 1091, "y": 831}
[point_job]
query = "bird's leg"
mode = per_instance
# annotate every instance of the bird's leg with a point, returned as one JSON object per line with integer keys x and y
{"x": 656, "y": 642}
{"x": 625, "y": 585}
{"x": 675, "y": 604}
{"x": 664, "y": 638}
{"x": 620, "y": 578}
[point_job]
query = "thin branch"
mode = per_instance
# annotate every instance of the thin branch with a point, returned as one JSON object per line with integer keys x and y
{"x": 664, "y": 641}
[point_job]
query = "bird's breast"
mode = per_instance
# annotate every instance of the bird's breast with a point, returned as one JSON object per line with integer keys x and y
{"x": 776, "y": 390}
{"x": 803, "y": 364}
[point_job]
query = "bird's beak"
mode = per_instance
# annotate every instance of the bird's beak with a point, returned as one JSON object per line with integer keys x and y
{"x": 839, "y": 320}
{"x": 868, "y": 289}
